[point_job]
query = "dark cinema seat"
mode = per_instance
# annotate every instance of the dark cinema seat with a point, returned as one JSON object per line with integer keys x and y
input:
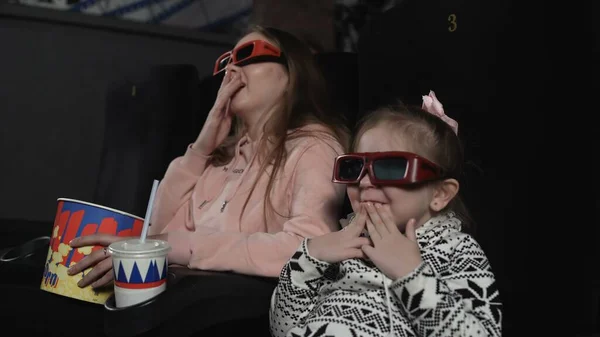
{"x": 484, "y": 62}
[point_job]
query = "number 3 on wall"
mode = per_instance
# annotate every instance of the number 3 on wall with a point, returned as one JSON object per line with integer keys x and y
{"x": 452, "y": 22}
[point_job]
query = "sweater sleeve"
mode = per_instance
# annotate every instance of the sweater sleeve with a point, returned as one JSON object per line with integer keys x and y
{"x": 297, "y": 290}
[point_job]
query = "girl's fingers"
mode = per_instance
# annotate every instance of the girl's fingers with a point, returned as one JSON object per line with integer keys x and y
{"x": 373, "y": 232}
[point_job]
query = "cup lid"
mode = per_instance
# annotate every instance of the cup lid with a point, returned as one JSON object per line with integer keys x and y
{"x": 135, "y": 246}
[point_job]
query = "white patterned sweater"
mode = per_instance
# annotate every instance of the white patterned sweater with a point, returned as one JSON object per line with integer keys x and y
{"x": 452, "y": 293}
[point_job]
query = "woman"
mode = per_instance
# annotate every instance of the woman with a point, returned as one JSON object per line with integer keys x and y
{"x": 243, "y": 201}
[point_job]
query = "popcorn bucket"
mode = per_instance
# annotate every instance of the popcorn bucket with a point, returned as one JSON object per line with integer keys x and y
{"x": 75, "y": 218}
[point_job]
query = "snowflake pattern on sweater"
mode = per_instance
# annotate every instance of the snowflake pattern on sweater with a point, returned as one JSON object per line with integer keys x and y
{"x": 452, "y": 293}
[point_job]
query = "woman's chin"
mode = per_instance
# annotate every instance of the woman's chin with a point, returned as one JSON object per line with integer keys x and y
{"x": 235, "y": 110}
{"x": 238, "y": 107}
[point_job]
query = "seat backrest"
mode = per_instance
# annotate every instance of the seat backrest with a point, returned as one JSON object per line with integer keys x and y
{"x": 448, "y": 47}
{"x": 151, "y": 115}
{"x": 340, "y": 70}
{"x": 484, "y": 67}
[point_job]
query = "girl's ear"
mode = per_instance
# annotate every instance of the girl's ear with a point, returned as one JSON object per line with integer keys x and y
{"x": 443, "y": 193}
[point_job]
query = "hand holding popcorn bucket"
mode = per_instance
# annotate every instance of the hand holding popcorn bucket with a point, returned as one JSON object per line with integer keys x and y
{"x": 76, "y": 218}
{"x": 139, "y": 265}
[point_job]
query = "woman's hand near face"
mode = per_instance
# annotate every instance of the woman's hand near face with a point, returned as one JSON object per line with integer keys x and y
{"x": 218, "y": 122}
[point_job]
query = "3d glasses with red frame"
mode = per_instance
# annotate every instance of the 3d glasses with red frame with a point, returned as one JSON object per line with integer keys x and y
{"x": 385, "y": 168}
{"x": 250, "y": 52}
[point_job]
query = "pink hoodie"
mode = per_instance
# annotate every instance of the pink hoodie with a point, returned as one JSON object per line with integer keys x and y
{"x": 199, "y": 206}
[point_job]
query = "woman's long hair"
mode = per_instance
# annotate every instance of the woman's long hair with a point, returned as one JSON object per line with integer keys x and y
{"x": 305, "y": 102}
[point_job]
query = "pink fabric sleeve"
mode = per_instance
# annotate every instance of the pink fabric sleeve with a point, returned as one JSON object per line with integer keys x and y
{"x": 314, "y": 211}
{"x": 176, "y": 187}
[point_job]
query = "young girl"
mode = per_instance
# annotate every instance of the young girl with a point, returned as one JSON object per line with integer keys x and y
{"x": 402, "y": 266}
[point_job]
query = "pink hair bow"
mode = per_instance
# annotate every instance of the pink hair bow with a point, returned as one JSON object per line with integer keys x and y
{"x": 433, "y": 106}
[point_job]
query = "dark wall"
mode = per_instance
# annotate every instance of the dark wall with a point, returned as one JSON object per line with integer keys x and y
{"x": 54, "y": 74}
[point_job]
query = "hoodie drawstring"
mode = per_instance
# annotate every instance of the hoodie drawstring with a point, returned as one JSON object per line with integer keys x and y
{"x": 389, "y": 305}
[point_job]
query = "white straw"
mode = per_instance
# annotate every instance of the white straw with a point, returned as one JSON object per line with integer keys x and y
{"x": 149, "y": 212}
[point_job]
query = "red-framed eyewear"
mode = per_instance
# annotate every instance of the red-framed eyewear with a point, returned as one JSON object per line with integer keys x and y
{"x": 385, "y": 168}
{"x": 249, "y": 52}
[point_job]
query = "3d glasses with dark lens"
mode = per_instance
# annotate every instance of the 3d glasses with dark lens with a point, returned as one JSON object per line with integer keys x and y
{"x": 249, "y": 52}
{"x": 385, "y": 168}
